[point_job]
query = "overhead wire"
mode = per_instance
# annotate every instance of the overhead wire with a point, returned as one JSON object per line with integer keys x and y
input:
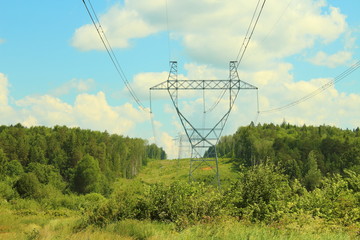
{"x": 96, "y": 22}
{"x": 217, "y": 101}
{"x": 168, "y": 28}
{"x": 277, "y": 21}
{"x": 247, "y": 31}
{"x": 319, "y": 90}
{"x": 247, "y": 40}
{"x": 244, "y": 45}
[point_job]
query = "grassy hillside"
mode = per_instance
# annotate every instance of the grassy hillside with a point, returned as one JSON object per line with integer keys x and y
{"x": 277, "y": 182}
{"x": 34, "y": 219}
{"x": 168, "y": 171}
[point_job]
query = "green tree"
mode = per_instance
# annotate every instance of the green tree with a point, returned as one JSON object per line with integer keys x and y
{"x": 87, "y": 176}
{"x": 3, "y": 160}
{"x": 14, "y": 168}
{"x": 28, "y": 186}
{"x": 313, "y": 176}
{"x": 47, "y": 174}
{"x": 262, "y": 193}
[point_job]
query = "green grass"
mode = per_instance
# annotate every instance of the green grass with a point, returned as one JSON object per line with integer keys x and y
{"x": 27, "y": 219}
{"x": 168, "y": 171}
{"x": 41, "y": 226}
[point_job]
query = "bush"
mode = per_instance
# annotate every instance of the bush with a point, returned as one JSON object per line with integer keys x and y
{"x": 14, "y": 168}
{"x": 7, "y": 192}
{"x": 182, "y": 203}
{"x": 28, "y": 186}
{"x": 261, "y": 194}
{"x": 333, "y": 201}
{"x": 47, "y": 174}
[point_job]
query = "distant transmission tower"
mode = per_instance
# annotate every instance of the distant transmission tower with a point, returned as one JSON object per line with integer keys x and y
{"x": 203, "y": 139}
{"x": 183, "y": 147}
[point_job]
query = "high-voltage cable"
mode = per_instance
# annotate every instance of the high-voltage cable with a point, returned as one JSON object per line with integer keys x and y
{"x": 110, "y": 52}
{"x": 324, "y": 87}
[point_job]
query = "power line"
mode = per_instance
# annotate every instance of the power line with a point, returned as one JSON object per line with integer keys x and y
{"x": 168, "y": 28}
{"x": 247, "y": 40}
{"x": 110, "y": 52}
{"x": 243, "y": 46}
{"x": 324, "y": 87}
{"x": 217, "y": 101}
{"x": 278, "y": 20}
{"x": 247, "y": 31}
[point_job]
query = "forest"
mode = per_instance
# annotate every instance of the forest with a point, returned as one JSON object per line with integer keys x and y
{"x": 70, "y": 159}
{"x": 277, "y": 182}
{"x": 305, "y": 153}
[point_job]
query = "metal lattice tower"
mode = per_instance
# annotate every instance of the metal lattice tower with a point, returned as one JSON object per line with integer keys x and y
{"x": 203, "y": 139}
{"x": 183, "y": 146}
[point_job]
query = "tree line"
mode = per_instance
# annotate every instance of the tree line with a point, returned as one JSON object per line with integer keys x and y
{"x": 306, "y": 153}
{"x": 71, "y": 159}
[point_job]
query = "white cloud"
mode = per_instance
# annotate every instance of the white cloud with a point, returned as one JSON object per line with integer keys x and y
{"x": 79, "y": 85}
{"x": 169, "y": 145}
{"x": 142, "y": 82}
{"x": 277, "y": 88}
{"x": 213, "y": 31}
{"x": 119, "y": 24}
{"x": 88, "y": 111}
{"x": 93, "y": 111}
{"x": 3, "y": 90}
{"x": 332, "y": 61}
{"x": 8, "y": 115}
{"x": 329, "y": 107}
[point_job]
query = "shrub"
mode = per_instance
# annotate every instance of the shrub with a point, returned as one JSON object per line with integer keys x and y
{"x": 333, "y": 201}
{"x": 7, "y": 192}
{"x": 182, "y": 203}
{"x": 28, "y": 186}
{"x": 261, "y": 194}
{"x": 13, "y": 168}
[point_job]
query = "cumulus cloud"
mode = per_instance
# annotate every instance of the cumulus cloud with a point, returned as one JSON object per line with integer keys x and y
{"x": 3, "y": 90}
{"x": 329, "y": 107}
{"x": 79, "y": 85}
{"x": 142, "y": 82}
{"x": 332, "y": 61}
{"x": 119, "y": 24}
{"x": 169, "y": 145}
{"x": 213, "y": 31}
{"x": 88, "y": 111}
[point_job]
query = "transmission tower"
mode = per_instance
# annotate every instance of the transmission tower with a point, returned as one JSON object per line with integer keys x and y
{"x": 183, "y": 147}
{"x": 203, "y": 139}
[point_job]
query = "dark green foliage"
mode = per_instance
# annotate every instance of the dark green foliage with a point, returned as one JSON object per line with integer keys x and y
{"x": 306, "y": 153}
{"x": 333, "y": 201}
{"x": 7, "y": 192}
{"x": 28, "y": 186}
{"x": 47, "y": 174}
{"x": 88, "y": 176}
{"x": 154, "y": 152}
{"x": 72, "y": 159}
{"x": 13, "y": 168}
{"x": 3, "y": 161}
{"x": 312, "y": 176}
{"x": 261, "y": 194}
{"x": 181, "y": 203}
{"x": 280, "y": 174}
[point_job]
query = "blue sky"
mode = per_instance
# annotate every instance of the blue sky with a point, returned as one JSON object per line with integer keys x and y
{"x": 54, "y": 70}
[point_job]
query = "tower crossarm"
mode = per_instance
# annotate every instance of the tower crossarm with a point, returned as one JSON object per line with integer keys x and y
{"x": 202, "y": 85}
{"x": 204, "y": 139}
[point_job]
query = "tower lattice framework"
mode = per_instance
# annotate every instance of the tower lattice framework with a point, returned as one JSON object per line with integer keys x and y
{"x": 203, "y": 139}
